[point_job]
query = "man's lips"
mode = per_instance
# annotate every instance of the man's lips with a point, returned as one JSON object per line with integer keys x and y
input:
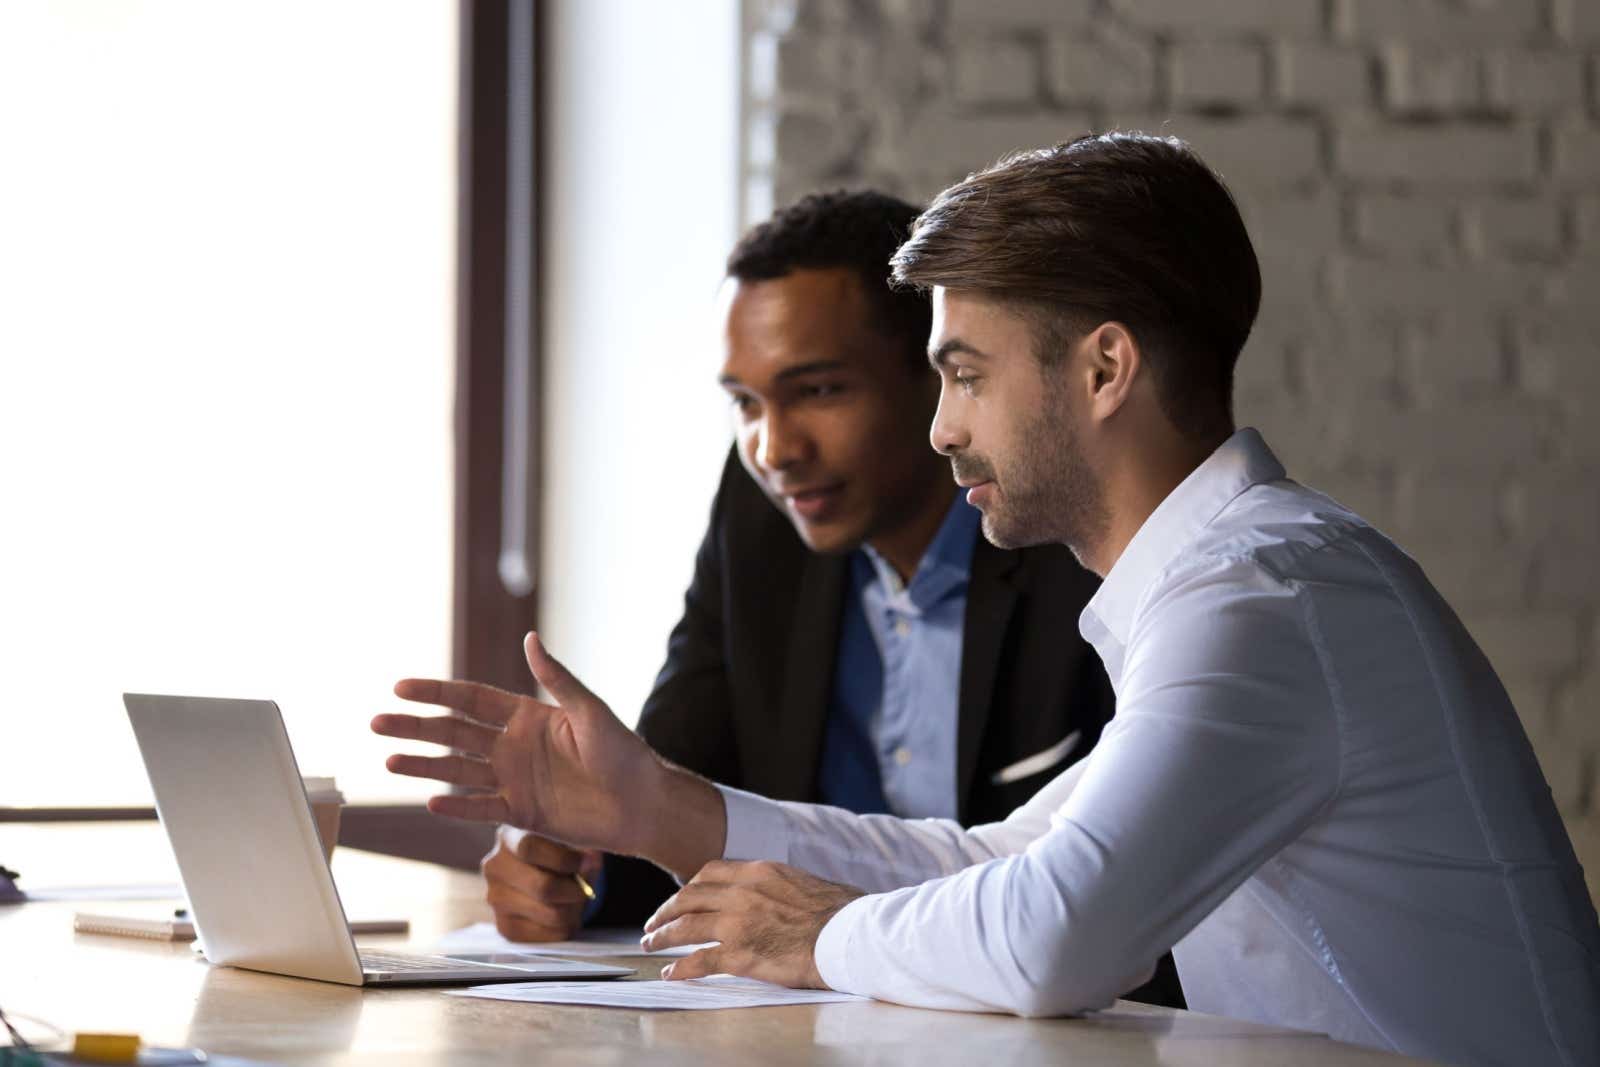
{"x": 978, "y": 492}
{"x": 813, "y": 502}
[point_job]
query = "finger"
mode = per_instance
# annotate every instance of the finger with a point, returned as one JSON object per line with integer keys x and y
{"x": 451, "y": 731}
{"x": 457, "y": 770}
{"x": 479, "y": 807}
{"x": 473, "y": 699}
{"x": 519, "y": 928}
{"x": 556, "y": 679}
{"x": 695, "y": 965}
{"x": 693, "y": 929}
{"x": 692, "y": 898}
{"x": 504, "y": 869}
{"x": 540, "y": 912}
{"x": 543, "y": 852}
{"x": 592, "y": 865}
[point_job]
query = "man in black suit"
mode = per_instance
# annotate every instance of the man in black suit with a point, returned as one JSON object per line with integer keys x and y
{"x": 849, "y": 637}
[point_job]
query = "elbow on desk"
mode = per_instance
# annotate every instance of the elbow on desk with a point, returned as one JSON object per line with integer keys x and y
{"x": 1073, "y": 970}
{"x": 1064, "y": 995}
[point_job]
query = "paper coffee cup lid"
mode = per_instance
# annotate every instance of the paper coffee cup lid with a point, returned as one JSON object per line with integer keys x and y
{"x": 324, "y": 787}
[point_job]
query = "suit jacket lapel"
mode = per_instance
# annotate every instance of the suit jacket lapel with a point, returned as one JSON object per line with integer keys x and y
{"x": 808, "y": 675}
{"x": 991, "y": 597}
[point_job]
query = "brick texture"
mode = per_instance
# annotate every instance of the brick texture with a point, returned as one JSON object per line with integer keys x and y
{"x": 1019, "y": 14}
{"x": 1223, "y": 16}
{"x": 1544, "y": 80}
{"x": 1410, "y": 226}
{"x": 1323, "y": 76}
{"x": 1577, "y": 154}
{"x": 996, "y": 72}
{"x": 1421, "y": 179}
{"x": 1517, "y": 227}
{"x": 1441, "y": 21}
{"x": 1218, "y": 74}
{"x": 1107, "y": 68}
{"x": 1426, "y": 80}
{"x": 1444, "y": 154}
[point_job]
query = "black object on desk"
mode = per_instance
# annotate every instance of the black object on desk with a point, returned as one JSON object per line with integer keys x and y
{"x": 9, "y": 893}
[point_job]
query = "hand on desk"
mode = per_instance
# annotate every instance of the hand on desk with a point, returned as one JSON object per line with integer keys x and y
{"x": 568, "y": 770}
{"x": 767, "y": 917}
{"x": 531, "y": 888}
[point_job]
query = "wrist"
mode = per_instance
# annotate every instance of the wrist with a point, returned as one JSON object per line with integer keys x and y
{"x": 683, "y": 822}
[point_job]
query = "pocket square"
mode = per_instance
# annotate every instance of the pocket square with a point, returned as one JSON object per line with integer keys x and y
{"x": 1039, "y": 761}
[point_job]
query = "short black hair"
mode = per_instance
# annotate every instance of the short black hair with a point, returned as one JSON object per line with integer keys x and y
{"x": 1121, "y": 225}
{"x": 852, "y": 229}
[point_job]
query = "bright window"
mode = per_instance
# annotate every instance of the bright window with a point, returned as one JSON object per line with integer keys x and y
{"x": 227, "y": 317}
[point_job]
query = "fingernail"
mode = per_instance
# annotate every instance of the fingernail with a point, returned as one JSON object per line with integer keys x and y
{"x": 666, "y": 972}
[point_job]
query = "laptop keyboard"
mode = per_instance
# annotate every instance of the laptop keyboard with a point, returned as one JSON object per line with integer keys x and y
{"x": 394, "y": 962}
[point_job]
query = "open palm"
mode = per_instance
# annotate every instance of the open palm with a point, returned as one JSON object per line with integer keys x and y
{"x": 557, "y": 769}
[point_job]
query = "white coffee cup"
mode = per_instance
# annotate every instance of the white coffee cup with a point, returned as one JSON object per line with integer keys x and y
{"x": 326, "y": 802}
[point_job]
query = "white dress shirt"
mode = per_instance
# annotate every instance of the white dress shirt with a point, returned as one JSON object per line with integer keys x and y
{"x": 1314, "y": 791}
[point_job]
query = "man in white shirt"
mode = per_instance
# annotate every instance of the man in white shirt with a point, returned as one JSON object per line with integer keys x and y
{"x": 1314, "y": 790}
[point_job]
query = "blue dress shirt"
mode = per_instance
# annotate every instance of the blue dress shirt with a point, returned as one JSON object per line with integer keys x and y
{"x": 890, "y": 741}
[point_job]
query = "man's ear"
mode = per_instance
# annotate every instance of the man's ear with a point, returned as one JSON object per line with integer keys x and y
{"x": 1112, "y": 365}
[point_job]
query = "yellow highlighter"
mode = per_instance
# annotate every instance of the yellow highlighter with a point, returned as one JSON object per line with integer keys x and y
{"x": 106, "y": 1048}
{"x": 583, "y": 884}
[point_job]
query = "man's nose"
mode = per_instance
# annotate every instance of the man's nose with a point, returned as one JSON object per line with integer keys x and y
{"x": 781, "y": 442}
{"x": 947, "y": 435}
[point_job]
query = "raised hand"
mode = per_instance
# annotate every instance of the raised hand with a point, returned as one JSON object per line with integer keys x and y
{"x": 561, "y": 770}
{"x": 568, "y": 770}
{"x": 766, "y": 916}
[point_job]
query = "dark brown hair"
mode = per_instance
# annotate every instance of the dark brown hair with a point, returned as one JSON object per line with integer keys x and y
{"x": 1115, "y": 226}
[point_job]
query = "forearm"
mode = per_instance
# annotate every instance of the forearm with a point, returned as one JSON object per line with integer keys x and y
{"x": 1001, "y": 936}
{"x": 871, "y": 852}
{"x": 878, "y": 853}
{"x": 677, "y": 821}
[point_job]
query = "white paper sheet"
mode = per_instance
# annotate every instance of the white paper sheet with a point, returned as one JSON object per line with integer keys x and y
{"x": 604, "y": 941}
{"x": 104, "y": 892}
{"x": 718, "y": 991}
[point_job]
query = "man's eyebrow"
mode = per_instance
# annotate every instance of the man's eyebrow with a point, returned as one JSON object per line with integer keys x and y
{"x": 799, "y": 370}
{"x": 816, "y": 366}
{"x": 941, "y": 355}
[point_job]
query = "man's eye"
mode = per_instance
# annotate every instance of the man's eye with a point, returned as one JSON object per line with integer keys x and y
{"x": 744, "y": 405}
{"x": 966, "y": 381}
{"x": 821, "y": 390}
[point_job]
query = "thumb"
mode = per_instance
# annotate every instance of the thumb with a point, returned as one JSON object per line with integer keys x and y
{"x": 559, "y": 682}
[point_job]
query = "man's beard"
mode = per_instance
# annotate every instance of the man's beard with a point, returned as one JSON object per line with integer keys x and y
{"x": 1049, "y": 494}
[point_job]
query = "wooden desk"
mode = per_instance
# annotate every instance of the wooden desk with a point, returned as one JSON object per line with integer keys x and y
{"x": 163, "y": 992}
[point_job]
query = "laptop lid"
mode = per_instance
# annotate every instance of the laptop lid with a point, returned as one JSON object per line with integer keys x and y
{"x": 230, "y": 796}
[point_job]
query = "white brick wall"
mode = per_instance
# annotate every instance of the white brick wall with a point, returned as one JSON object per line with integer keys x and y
{"x": 1422, "y": 180}
{"x": 1217, "y": 73}
{"x": 1316, "y": 75}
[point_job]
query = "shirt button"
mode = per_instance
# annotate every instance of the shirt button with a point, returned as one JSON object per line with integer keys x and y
{"x": 902, "y": 627}
{"x": 902, "y": 755}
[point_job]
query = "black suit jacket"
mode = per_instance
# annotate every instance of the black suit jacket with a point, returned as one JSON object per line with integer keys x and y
{"x": 744, "y": 696}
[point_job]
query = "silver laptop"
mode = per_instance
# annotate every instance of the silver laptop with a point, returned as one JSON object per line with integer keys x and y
{"x": 230, "y": 796}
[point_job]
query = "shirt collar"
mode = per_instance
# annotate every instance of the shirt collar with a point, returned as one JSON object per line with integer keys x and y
{"x": 945, "y": 566}
{"x": 1240, "y": 462}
